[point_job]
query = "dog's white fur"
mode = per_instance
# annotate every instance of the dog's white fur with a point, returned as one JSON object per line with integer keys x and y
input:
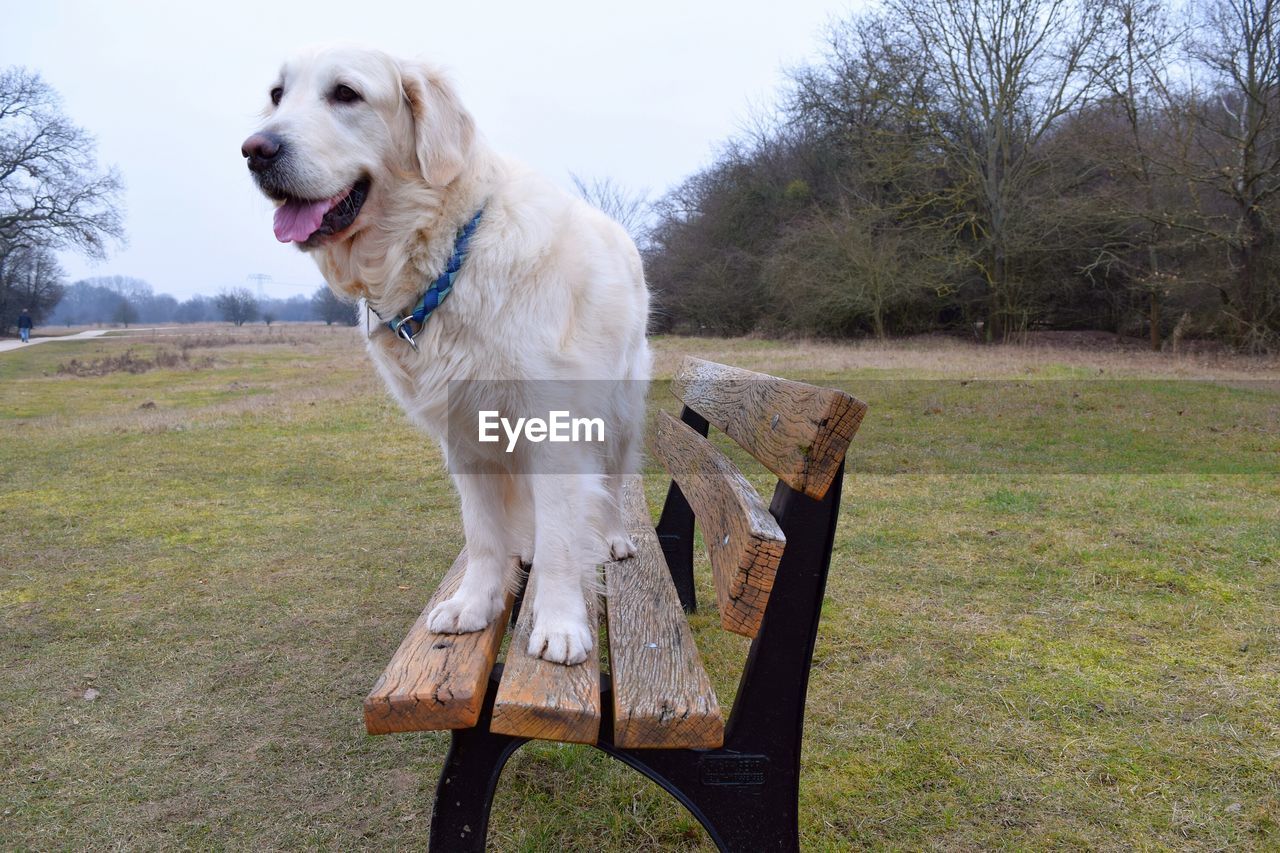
{"x": 551, "y": 289}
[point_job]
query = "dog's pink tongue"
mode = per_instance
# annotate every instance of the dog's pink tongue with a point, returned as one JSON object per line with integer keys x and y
{"x": 298, "y": 220}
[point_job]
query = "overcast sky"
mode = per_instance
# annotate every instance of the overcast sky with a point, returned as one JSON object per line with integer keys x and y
{"x": 642, "y": 93}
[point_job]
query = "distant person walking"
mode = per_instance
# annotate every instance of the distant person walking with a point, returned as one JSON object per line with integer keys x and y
{"x": 24, "y": 325}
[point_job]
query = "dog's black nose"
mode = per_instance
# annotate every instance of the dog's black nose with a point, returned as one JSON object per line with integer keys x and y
{"x": 262, "y": 149}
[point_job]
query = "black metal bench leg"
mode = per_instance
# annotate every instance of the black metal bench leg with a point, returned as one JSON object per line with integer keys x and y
{"x": 746, "y": 802}
{"x": 747, "y": 824}
{"x": 464, "y": 796}
{"x": 675, "y": 529}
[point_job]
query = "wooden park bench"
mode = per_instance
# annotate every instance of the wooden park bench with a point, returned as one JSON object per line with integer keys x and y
{"x": 655, "y": 709}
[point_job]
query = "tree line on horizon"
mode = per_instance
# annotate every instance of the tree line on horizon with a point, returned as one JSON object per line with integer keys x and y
{"x": 121, "y": 300}
{"x": 993, "y": 167}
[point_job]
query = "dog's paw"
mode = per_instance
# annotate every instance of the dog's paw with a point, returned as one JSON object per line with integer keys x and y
{"x": 463, "y": 614}
{"x": 620, "y": 546}
{"x": 566, "y": 641}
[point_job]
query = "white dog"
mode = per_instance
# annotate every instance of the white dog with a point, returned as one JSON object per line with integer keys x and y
{"x": 380, "y": 175}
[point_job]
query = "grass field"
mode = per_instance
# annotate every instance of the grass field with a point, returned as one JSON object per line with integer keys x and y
{"x": 1053, "y": 619}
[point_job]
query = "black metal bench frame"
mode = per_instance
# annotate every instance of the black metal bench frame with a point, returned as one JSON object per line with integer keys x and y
{"x": 746, "y": 794}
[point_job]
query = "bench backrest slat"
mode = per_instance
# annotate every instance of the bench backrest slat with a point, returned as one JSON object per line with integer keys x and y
{"x": 799, "y": 432}
{"x": 744, "y": 542}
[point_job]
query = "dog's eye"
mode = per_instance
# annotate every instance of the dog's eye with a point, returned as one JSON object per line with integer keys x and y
{"x": 276, "y": 94}
{"x": 345, "y": 94}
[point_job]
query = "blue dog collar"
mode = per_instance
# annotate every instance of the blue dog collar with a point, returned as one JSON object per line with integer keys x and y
{"x": 408, "y": 326}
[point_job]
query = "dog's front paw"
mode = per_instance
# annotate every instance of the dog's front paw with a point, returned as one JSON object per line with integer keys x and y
{"x": 621, "y": 546}
{"x": 463, "y": 614}
{"x": 560, "y": 640}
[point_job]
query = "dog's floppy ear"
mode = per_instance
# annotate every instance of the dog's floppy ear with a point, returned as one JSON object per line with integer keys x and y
{"x": 443, "y": 130}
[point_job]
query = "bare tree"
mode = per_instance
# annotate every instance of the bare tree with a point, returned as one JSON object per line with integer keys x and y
{"x": 237, "y": 305}
{"x": 133, "y": 289}
{"x": 31, "y": 279}
{"x": 1141, "y": 44}
{"x": 52, "y": 194}
{"x": 1238, "y": 43}
{"x": 52, "y": 191}
{"x": 133, "y": 293}
{"x": 628, "y": 209}
{"x": 325, "y": 305}
{"x": 108, "y": 299}
{"x": 196, "y": 309}
{"x": 849, "y": 270}
{"x": 1004, "y": 73}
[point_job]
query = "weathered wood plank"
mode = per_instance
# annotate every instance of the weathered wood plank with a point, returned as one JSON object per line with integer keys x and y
{"x": 662, "y": 697}
{"x": 548, "y": 701}
{"x": 799, "y": 432}
{"x": 744, "y": 542}
{"x": 435, "y": 681}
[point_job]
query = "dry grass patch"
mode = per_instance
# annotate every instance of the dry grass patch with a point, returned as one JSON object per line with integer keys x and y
{"x": 130, "y": 361}
{"x": 936, "y": 356}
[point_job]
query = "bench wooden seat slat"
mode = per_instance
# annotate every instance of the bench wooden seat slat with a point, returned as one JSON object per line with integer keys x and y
{"x": 662, "y": 696}
{"x": 435, "y": 681}
{"x": 744, "y": 542}
{"x": 799, "y": 432}
{"x": 548, "y": 701}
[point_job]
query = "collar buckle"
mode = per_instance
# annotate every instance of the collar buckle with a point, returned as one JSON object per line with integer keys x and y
{"x": 403, "y": 332}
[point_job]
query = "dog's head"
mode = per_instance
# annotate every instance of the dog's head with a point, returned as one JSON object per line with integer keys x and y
{"x": 344, "y": 131}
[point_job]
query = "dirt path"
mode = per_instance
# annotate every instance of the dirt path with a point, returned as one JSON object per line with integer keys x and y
{"x": 5, "y": 346}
